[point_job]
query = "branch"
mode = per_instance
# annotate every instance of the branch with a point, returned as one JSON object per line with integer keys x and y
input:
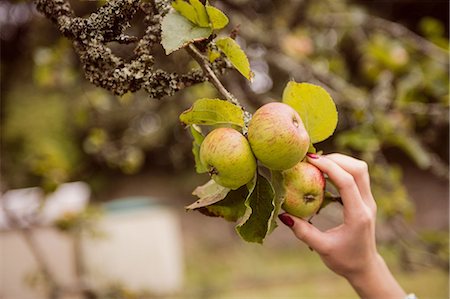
{"x": 27, "y": 235}
{"x": 395, "y": 30}
{"x": 204, "y": 64}
{"x": 104, "y": 69}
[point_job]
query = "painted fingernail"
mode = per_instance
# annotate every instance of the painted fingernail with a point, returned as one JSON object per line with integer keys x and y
{"x": 312, "y": 156}
{"x": 286, "y": 219}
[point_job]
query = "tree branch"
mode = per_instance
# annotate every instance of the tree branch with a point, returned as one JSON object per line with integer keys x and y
{"x": 204, "y": 64}
{"x": 395, "y": 30}
{"x": 104, "y": 69}
{"x": 27, "y": 236}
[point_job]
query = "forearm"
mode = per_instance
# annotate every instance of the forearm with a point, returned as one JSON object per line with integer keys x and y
{"x": 377, "y": 282}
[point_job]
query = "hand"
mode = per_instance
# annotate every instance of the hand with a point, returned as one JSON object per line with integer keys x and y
{"x": 350, "y": 248}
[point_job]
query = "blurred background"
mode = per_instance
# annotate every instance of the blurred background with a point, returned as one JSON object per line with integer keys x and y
{"x": 94, "y": 185}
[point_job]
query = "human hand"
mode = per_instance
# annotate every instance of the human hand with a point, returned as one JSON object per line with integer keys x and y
{"x": 350, "y": 248}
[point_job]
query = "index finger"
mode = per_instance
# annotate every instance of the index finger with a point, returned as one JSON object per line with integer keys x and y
{"x": 344, "y": 181}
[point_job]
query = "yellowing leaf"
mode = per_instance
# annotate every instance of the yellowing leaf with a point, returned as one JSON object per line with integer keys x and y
{"x": 217, "y": 18}
{"x": 230, "y": 208}
{"x": 177, "y": 32}
{"x": 209, "y": 193}
{"x": 236, "y": 56}
{"x": 315, "y": 107}
{"x": 213, "y": 55}
{"x": 202, "y": 16}
{"x": 213, "y": 112}
{"x": 186, "y": 10}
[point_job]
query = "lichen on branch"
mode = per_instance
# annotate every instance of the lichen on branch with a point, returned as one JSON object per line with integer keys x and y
{"x": 104, "y": 69}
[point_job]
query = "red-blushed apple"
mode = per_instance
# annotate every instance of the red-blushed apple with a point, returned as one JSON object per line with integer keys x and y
{"x": 305, "y": 188}
{"x": 277, "y": 136}
{"x": 229, "y": 158}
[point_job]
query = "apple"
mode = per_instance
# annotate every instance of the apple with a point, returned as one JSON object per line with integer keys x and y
{"x": 229, "y": 158}
{"x": 277, "y": 136}
{"x": 305, "y": 188}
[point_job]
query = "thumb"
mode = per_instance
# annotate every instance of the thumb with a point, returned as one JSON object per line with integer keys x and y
{"x": 305, "y": 231}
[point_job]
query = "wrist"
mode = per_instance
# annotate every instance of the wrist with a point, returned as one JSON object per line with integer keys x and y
{"x": 376, "y": 281}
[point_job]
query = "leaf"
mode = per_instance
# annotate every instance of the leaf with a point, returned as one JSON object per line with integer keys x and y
{"x": 213, "y": 55}
{"x": 202, "y": 16}
{"x": 208, "y": 194}
{"x": 217, "y": 18}
{"x": 231, "y": 208}
{"x": 178, "y": 32}
{"x": 213, "y": 112}
{"x": 237, "y": 57}
{"x": 186, "y": 10}
{"x": 254, "y": 225}
{"x": 198, "y": 139}
{"x": 277, "y": 183}
{"x": 315, "y": 107}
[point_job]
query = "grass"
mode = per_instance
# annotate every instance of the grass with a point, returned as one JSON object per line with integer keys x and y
{"x": 237, "y": 270}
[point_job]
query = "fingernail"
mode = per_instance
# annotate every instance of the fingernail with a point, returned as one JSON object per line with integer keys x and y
{"x": 286, "y": 219}
{"x": 312, "y": 156}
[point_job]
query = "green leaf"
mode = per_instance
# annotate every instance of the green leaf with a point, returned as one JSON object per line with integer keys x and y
{"x": 213, "y": 55}
{"x": 186, "y": 10}
{"x": 202, "y": 16}
{"x": 208, "y": 194}
{"x": 315, "y": 107}
{"x": 213, "y": 112}
{"x": 217, "y": 18}
{"x": 196, "y": 133}
{"x": 277, "y": 183}
{"x": 255, "y": 224}
{"x": 237, "y": 57}
{"x": 231, "y": 208}
{"x": 178, "y": 32}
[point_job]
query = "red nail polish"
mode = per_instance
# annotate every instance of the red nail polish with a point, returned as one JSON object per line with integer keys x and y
{"x": 312, "y": 156}
{"x": 286, "y": 219}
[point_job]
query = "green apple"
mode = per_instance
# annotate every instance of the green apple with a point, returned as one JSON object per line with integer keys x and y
{"x": 277, "y": 136}
{"x": 229, "y": 158}
{"x": 305, "y": 188}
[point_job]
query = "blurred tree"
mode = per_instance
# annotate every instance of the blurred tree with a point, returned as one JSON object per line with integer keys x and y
{"x": 390, "y": 83}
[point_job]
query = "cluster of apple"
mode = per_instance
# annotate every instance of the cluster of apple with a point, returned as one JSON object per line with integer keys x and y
{"x": 277, "y": 138}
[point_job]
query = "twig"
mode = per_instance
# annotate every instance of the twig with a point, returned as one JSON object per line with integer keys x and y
{"x": 204, "y": 64}
{"x": 394, "y": 29}
{"x": 27, "y": 236}
{"x": 90, "y": 37}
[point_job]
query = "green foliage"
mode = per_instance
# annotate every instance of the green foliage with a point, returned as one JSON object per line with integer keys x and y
{"x": 213, "y": 112}
{"x": 264, "y": 198}
{"x": 315, "y": 107}
{"x": 194, "y": 11}
{"x": 191, "y": 22}
{"x": 231, "y": 208}
{"x": 198, "y": 139}
{"x": 177, "y": 32}
{"x": 279, "y": 190}
{"x": 390, "y": 193}
{"x": 236, "y": 55}
{"x": 217, "y": 18}
{"x": 40, "y": 131}
{"x": 259, "y": 214}
{"x": 208, "y": 194}
{"x": 201, "y": 15}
